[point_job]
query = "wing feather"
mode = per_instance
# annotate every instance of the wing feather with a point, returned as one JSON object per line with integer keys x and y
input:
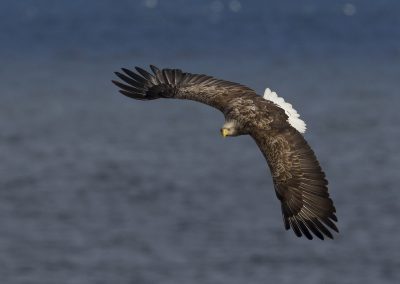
{"x": 135, "y": 96}
{"x": 144, "y": 73}
{"x": 173, "y": 83}
{"x": 135, "y": 76}
{"x": 300, "y": 184}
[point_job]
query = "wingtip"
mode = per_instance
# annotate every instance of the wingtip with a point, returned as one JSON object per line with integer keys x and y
{"x": 308, "y": 236}
{"x": 144, "y": 73}
{"x": 125, "y": 70}
{"x": 154, "y": 68}
{"x": 140, "y": 70}
{"x": 118, "y": 74}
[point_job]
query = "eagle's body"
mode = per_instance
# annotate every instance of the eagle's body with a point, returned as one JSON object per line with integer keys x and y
{"x": 299, "y": 182}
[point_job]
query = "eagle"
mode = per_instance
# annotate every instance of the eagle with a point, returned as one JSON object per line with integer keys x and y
{"x": 299, "y": 182}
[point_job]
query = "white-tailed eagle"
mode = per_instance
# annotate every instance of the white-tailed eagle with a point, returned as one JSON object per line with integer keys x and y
{"x": 299, "y": 181}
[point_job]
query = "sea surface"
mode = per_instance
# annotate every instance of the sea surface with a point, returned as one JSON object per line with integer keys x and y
{"x": 98, "y": 188}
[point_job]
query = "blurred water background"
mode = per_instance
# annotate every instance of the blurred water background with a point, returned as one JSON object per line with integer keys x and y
{"x": 97, "y": 188}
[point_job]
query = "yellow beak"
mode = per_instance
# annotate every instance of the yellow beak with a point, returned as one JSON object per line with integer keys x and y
{"x": 224, "y": 132}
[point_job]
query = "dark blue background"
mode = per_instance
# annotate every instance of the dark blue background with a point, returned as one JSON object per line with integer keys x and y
{"x": 97, "y": 188}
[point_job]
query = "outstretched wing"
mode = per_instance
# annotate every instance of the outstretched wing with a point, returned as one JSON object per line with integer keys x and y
{"x": 173, "y": 83}
{"x": 299, "y": 182}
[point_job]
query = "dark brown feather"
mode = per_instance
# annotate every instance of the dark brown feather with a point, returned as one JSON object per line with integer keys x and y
{"x": 134, "y": 76}
{"x": 126, "y": 87}
{"x": 144, "y": 73}
{"x": 132, "y": 95}
{"x": 129, "y": 80}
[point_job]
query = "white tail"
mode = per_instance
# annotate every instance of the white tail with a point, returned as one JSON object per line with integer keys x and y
{"x": 293, "y": 117}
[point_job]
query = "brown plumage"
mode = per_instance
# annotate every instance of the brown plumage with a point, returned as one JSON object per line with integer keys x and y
{"x": 299, "y": 181}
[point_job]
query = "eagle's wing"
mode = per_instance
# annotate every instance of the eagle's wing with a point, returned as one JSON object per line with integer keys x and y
{"x": 299, "y": 182}
{"x": 173, "y": 83}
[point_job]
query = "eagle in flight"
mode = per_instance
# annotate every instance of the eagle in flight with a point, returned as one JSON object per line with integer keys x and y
{"x": 275, "y": 126}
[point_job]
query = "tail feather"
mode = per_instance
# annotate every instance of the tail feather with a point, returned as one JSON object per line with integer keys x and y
{"x": 293, "y": 116}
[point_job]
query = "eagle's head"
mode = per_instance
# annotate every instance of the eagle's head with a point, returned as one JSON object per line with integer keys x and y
{"x": 231, "y": 128}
